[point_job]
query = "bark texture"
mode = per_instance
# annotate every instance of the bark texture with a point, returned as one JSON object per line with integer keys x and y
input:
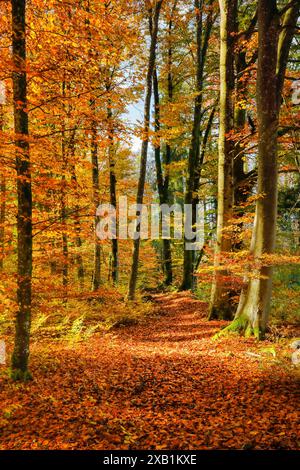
{"x": 274, "y": 43}
{"x": 221, "y": 305}
{"x": 19, "y": 363}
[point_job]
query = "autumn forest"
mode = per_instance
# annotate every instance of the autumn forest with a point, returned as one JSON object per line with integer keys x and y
{"x": 149, "y": 224}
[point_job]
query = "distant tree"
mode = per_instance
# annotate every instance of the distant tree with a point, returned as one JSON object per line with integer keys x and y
{"x": 153, "y": 17}
{"x": 204, "y": 25}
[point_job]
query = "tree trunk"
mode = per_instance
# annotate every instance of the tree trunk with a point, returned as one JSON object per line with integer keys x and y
{"x": 194, "y": 161}
{"x": 144, "y": 150}
{"x": 240, "y": 193}
{"x": 162, "y": 183}
{"x": 2, "y": 219}
{"x": 188, "y": 261}
{"x": 20, "y": 355}
{"x": 273, "y": 50}
{"x": 2, "y": 204}
{"x": 112, "y": 191}
{"x": 63, "y": 213}
{"x": 95, "y": 180}
{"x": 96, "y": 276}
{"x": 242, "y": 183}
{"x": 221, "y": 305}
{"x": 78, "y": 240}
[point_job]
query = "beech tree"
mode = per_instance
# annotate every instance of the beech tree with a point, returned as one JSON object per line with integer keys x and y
{"x": 20, "y": 355}
{"x": 153, "y": 17}
{"x": 2, "y": 202}
{"x": 203, "y": 31}
{"x": 221, "y": 305}
{"x": 162, "y": 164}
{"x": 96, "y": 199}
{"x": 77, "y": 72}
{"x": 275, "y": 34}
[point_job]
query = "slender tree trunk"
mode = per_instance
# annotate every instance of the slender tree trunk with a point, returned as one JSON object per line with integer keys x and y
{"x": 197, "y": 184}
{"x": 221, "y": 305}
{"x": 203, "y": 32}
{"x": 2, "y": 204}
{"x": 78, "y": 241}
{"x": 240, "y": 193}
{"x": 210, "y": 19}
{"x": 112, "y": 191}
{"x": 53, "y": 262}
{"x": 202, "y": 154}
{"x": 63, "y": 212}
{"x": 167, "y": 247}
{"x": 24, "y": 226}
{"x": 242, "y": 183}
{"x": 273, "y": 50}
{"x": 188, "y": 261}
{"x": 2, "y": 219}
{"x": 96, "y": 277}
{"x": 64, "y": 241}
{"x": 95, "y": 180}
{"x": 162, "y": 183}
{"x": 144, "y": 150}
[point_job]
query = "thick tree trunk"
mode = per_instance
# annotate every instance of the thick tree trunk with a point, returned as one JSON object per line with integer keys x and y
{"x": 221, "y": 305}
{"x": 20, "y": 355}
{"x": 273, "y": 50}
{"x": 144, "y": 150}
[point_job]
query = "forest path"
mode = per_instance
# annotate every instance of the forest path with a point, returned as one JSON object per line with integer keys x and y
{"x": 164, "y": 384}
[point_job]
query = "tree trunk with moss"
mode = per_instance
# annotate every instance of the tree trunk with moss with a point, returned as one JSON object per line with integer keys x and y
{"x": 19, "y": 364}
{"x": 221, "y": 305}
{"x": 274, "y": 43}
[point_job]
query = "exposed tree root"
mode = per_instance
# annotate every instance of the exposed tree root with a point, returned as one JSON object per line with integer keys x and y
{"x": 243, "y": 326}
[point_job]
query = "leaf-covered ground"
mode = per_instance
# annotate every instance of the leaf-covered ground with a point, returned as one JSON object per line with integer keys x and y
{"x": 161, "y": 385}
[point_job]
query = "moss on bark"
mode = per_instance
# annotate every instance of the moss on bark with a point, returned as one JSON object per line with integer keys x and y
{"x": 243, "y": 326}
{"x": 20, "y": 375}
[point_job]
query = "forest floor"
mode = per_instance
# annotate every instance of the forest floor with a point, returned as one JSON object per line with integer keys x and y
{"x": 162, "y": 384}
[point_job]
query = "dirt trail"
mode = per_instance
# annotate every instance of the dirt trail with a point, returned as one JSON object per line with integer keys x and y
{"x": 161, "y": 385}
